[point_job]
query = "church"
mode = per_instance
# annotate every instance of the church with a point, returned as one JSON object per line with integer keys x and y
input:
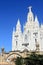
{"x": 26, "y": 42}
{"x": 31, "y": 39}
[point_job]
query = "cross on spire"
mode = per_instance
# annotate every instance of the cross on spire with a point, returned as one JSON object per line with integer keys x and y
{"x": 30, "y": 8}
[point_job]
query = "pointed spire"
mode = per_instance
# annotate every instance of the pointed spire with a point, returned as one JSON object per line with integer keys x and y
{"x": 18, "y": 26}
{"x": 36, "y": 19}
{"x": 18, "y": 23}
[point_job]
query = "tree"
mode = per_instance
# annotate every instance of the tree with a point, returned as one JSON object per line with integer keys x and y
{"x": 19, "y": 61}
{"x": 33, "y": 59}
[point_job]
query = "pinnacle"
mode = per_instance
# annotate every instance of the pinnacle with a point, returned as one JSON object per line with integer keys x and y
{"x": 18, "y": 22}
{"x": 36, "y": 19}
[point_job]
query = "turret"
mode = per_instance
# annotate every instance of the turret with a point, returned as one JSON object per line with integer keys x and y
{"x": 36, "y": 21}
{"x": 17, "y": 38}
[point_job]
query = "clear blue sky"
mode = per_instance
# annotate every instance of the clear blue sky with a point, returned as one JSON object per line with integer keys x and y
{"x": 10, "y": 11}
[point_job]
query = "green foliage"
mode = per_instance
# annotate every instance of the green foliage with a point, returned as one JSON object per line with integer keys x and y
{"x": 33, "y": 59}
{"x": 19, "y": 61}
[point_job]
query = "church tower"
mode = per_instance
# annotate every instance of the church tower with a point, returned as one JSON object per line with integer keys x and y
{"x": 28, "y": 31}
{"x": 17, "y": 37}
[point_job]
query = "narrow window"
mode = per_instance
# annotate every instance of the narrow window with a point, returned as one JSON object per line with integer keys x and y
{"x": 16, "y": 43}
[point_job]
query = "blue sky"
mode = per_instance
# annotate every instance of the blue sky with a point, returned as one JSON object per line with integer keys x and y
{"x": 10, "y": 11}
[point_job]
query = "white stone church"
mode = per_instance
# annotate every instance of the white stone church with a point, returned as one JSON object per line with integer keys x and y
{"x": 31, "y": 39}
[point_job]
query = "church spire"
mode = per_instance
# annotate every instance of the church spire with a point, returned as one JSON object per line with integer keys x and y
{"x": 18, "y": 22}
{"x": 18, "y": 26}
{"x": 30, "y": 16}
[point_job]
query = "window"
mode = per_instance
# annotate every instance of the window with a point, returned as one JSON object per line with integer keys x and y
{"x": 35, "y": 40}
{"x": 16, "y": 43}
{"x": 25, "y": 37}
{"x": 35, "y": 35}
